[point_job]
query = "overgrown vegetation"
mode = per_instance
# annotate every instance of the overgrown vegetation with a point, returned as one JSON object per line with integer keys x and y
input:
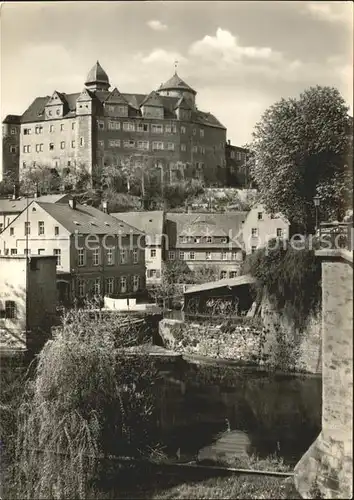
{"x": 290, "y": 278}
{"x": 88, "y": 400}
{"x": 303, "y": 147}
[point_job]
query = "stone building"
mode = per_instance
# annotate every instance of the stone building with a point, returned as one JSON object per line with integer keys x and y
{"x": 96, "y": 254}
{"x": 11, "y": 129}
{"x": 207, "y": 240}
{"x": 11, "y": 208}
{"x": 152, "y": 224}
{"x": 260, "y": 227}
{"x": 101, "y": 126}
{"x": 237, "y": 171}
{"x": 28, "y": 300}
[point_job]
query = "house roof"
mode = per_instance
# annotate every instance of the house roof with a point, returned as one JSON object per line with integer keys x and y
{"x": 153, "y": 99}
{"x": 12, "y": 119}
{"x": 17, "y": 206}
{"x": 151, "y": 223}
{"x": 35, "y": 112}
{"x": 230, "y": 283}
{"x": 175, "y": 82}
{"x": 85, "y": 219}
{"x": 208, "y": 224}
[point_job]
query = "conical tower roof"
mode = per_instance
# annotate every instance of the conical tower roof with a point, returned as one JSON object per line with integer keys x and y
{"x": 97, "y": 76}
{"x": 176, "y": 83}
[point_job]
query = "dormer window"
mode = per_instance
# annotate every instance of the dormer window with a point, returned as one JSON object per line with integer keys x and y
{"x": 58, "y": 112}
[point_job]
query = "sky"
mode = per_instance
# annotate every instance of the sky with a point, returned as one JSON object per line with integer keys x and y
{"x": 240, "y": 57}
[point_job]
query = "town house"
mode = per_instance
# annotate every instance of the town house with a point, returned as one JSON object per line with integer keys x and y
{"x": 97, "y": 254}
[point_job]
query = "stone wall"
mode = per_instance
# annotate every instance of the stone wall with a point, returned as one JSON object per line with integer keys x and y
{"x": 327, "y": 467}
{"x": 268, "y": 341}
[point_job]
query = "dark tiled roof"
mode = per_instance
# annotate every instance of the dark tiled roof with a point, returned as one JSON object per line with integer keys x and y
{"x": 17, "y": 206}
{"x": 153, "y": 99}
{"x": 116, "y": 97}
{"x": 12, "y": 119}
{"x": 35, "y": 112}
{"x": 150, "y": 223}
{"x": 175, "y": 82}
{"x": 208, "y": 224}
{"x": 87, "y": 220}
{"x": 97, "y": 74}
{"x": 230, "y": 283}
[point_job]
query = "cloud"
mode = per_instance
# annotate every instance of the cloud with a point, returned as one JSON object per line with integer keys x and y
{"x": 334, "y": 12}
{"x": 157, "y": 25}
{"x": 164, "y": 57}
{"x": 225, "y": 45}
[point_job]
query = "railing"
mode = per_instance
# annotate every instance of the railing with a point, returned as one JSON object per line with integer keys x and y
{"x": 336, "y": 235}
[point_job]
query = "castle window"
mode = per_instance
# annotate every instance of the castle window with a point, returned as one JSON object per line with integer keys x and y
{"x": 101, "y": 144}
{"x": 128, "y": 126}
{"x": 13, "y": 131}
{"x": 232, "y": 154}
{"x": 168, "y": 129}
{"x": 23, "y": 164}
{"x": 73, "y": 126}
{"x": 58, "y": 112}
{"x": 62, "y": 145}
{"x": 114, "y": 143}
{"x": 113, "y": 125}
{"x": 201, "y": 133}
{"x": 101, "y": 125}
{"x": 143, "y": 145}
{"x": 143, "y": 127}
{"x": 72, "y": 144}
{"x": 129, "y": 144}
{"x": 81, "y": 141}
{"x": 183, "y": 130}
{"x": 39, "y": 129}
{"x": 61, "y": 127}
{"x": 12, "y": 231}
{"x": 26, "y": 149}
{"x": 26, "y": 131}
{"x": 50, "y": 112}
{"x": 157, "y": 145}
{"x": 194, "y": 131}
{"x": 10, "y": 309}
{"x": 51, "y": 146}
{"x": 13, "y": 149}
{"x": 51, "y": 128}
{"x": 170, "y": 146}
{"x": 156, "y": 128}
{"x": 238, "y": 156}
{"x": 39, "y": 148}
{"x": 183, "y": 147}
{"x": 195, "y": 149}
{"x": 202, "y": 150}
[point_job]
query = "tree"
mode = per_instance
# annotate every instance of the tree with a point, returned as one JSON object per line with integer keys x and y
{"x": 7, "y": 184}
{"x": 41, "y": 178}
{"x": 300, "y": 149}
{"x": 88, "y": 400}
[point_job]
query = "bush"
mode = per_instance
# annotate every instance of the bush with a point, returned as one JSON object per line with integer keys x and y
{"x": 88, "y": 400}
{"x": 290, "y": 278}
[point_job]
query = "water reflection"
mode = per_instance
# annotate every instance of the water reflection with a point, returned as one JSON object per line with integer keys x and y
{"x": 279, "y": 415}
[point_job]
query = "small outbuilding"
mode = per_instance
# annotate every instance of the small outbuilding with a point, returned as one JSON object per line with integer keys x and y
{"x": 225, "y": 297}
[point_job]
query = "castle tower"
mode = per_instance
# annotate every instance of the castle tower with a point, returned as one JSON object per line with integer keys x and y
{"x": 176, "y": 87}
{"x": 97, "y": 79}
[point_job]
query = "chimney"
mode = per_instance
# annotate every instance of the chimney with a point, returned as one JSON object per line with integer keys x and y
{"x": 14, "y": 195}
{"x": 229, "y": 142}
{"x": 105, "y": 206}
{"x": 72, "y": 203}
